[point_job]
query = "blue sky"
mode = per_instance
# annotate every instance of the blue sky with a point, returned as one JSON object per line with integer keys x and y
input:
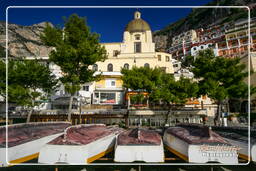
{"x": 108, "y": 22}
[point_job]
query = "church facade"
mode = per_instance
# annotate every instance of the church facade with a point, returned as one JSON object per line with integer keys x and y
{"x": 137, "y": 49}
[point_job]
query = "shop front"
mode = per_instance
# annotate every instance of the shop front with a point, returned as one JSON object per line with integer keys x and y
{"x": 108, "y": 97}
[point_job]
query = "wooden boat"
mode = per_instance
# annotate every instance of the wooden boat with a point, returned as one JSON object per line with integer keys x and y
{"x": 253, "y": 152}
{"x": 139, "y": 145}
{"x": 238, "y": 136}
{"x": 23, "y": 141}
{"x": 199, "y": 144}
{"x": 80, "y": 144}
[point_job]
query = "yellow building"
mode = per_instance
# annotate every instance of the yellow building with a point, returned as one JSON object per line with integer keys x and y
{"x": 137, "y": 49}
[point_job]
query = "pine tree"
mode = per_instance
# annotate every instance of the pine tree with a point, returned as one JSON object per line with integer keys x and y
{"x": 76, "y": 48}
{"x": 29, "y": 81}
{"x": 161, "y": 86}
{"x": 220, "y": 78}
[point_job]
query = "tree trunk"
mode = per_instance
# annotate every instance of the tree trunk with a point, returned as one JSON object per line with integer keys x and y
{"x": 218, "y": 114}
{"x": 70, "y": 107}
{"x": 31, "y": 111}
{"x": 240, "y": 106}
{"x": 127, "y": 119}
{"x": 202, "y": 104}
{"x": 80, "y": 112}
{"x": 128, "y": 103}
{"x": 168, "y": 114}
{"x": 228, "y": 109}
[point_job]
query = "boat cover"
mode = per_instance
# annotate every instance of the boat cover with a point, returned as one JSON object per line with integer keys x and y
{"x": 141, "y": 145}
{"x": 84, "y": 134}
{"x": 26, "y": 132}
{"x": 139, "y": 136}
{"x": 195, "y": 134}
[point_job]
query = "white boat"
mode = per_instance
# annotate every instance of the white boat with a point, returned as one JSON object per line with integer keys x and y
{"x": 253, "y": 152}
{"x": 24, "y": 141}
{"x": 81, "y": 144}
{"x": 199, "y": 144}
{"x": 238, "y": 136}
{"x": 139, "y": 145}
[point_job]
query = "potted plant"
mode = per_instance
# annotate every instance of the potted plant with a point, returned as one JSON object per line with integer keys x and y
{"x": 232, "y": 117}
{"x": 205, "y": 118}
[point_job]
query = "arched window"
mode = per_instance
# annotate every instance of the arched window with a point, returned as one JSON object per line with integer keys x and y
{"x": 146, "y": 65}
{"x": 137, "y": 47}
{"x": 126, "y": 66}
{"x": 95, "y": 67}
{"x": 110, "y": 67}
{"x": 137, "y": 37}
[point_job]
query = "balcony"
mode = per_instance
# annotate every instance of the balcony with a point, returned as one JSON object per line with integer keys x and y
{"x": 103, "y": 87}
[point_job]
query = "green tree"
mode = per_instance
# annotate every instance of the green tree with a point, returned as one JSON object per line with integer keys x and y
{"x": 29, "y": 81}
{"x": 76, "y": 48}
{"x": 188, "y": 61}
{"x": 2, "y": 78}
{"x": 173, "y": 92}
{"x": 2, "y": 52}
{"x": 161, "y": 86}
{"x": 141, "y": 78}
{"x": 220, "y": 78}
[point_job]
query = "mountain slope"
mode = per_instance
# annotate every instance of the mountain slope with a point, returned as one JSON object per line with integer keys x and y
{"x": 23, "y": 41}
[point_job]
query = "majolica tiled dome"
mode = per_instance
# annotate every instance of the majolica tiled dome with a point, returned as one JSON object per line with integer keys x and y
{"x": 137, "y": 24}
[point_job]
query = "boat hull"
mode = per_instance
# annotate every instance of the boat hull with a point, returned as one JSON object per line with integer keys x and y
{"x": 77, "y": 154}
{"x": 24, "y": 152}
{"x": 253, "y": 152}
{"x": 199, "y": 153}
{"x": 145, "y": 153}
{"x": 243, "y": 151}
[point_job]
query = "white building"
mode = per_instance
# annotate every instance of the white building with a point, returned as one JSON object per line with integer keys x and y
{"x": 202, "y": 46}
{"x": 137, "y": 49}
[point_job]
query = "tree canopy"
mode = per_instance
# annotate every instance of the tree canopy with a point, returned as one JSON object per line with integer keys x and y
{"x": 141, "y": 78}
{"x": 2, "y": 78}
{"x": 174, "y": 91}
{"x": 161, "y": 86}
{"x": 33, "y": 77}
{"x": 75, "y": 49}
{"x": 29, "y": 81}
{"x": 220, "y": 77}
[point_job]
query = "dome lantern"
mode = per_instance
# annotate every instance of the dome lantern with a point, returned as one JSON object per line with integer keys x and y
{"x": 137, "y": 24}
{"x": 137, "y": 15}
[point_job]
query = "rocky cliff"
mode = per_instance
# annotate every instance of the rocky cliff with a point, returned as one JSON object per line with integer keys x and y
{"x": 23, "y": 41}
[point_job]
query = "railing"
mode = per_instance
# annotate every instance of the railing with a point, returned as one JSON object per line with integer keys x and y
{"x": 103, "y": 86}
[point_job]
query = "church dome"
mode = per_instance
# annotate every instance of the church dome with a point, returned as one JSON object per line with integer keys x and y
{"x": 137, "y": 24}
